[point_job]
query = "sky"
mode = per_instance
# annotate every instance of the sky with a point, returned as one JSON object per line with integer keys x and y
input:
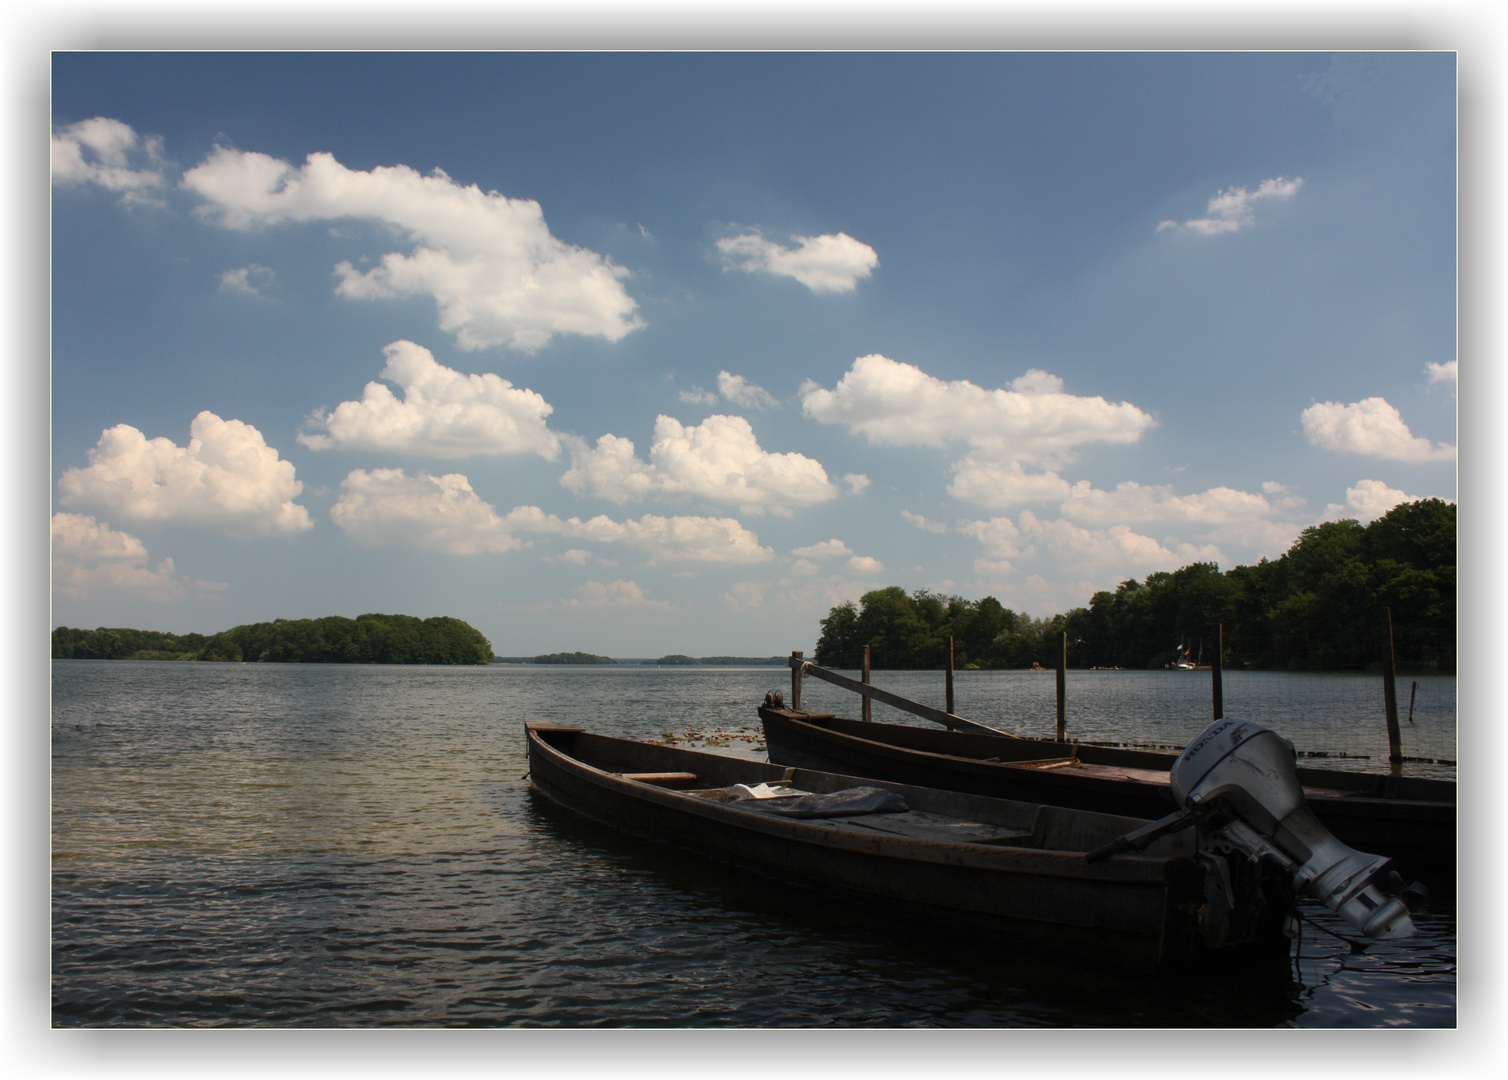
{"x": 647, "y": 353}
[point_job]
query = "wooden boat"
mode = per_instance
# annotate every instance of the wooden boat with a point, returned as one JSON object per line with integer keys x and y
{"x": 1410, "y": 819}
{"x": 1001, "y": 865}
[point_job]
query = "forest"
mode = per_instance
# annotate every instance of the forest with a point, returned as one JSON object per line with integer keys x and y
{"x": 367, "y": 639}
{"x": 1323, "y": 605}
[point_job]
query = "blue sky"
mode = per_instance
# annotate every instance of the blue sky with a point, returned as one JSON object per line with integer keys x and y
{"x": 649, "y": 353}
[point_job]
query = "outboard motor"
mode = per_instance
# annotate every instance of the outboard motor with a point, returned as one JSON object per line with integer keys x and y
{"x": 1238, "y": 783}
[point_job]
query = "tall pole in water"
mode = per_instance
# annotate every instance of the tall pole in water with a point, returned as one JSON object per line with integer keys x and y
{"x": 864, "y": 677}
{"x": 1217, "y": 670}
{"x": 1390, "y": 692}
{"x": 948, "y": 695}
{"x": 796, "y": 680}
{"x": 1063, "y": 690}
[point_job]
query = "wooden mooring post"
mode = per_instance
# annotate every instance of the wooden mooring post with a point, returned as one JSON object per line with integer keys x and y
{"x": 948, "y": 691}
{"x": 1390, "y": 692}
{"x": 1217, "y": 688}
{"x": 1063, "y": 690}
{"x": 864, "y": 677}
{"x": 796, "y": 680}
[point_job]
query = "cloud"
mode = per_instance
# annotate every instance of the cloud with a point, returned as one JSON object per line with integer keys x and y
{"x": 936, "y": 527}
{"x": 494, "y": 270}
{"x": 734, "y": 388}
{"x": 1233, "y": 209}
{"x": 1118, "y": 548}
{"x": 385, "y": 507}
{"x": 980, "y": 479}
{"x": 828, "y": 549}
{"x": 677, "y": 539}
{"x": 89, "y": 556}
{"x": 1442, "y": 373}
{"x": 857, "y": 483}
{"x": 719, "y": 460}
{"x": 810, "y": 598}
{"x": 863, "y": 564}
{"x": 898, "y": 404}
{"x": 827, "y": 263}
{"x": 1371, "y": 427}
{"x": 442, "y": 413}
{"x": 226, "y": 478}
{"x": 1367, "y": 501}
{"x": 619, "y": 594}
{"x": 741, "y": 392}
{"x": 248, "y": 280}
{"x": 1131, "y": 501}
{"x": 111, "y": 155}
{"x": 697, "y": 396}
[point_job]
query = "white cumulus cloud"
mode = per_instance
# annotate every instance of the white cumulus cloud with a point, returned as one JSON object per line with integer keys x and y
{"x": 828, "y": 549}
{"x": 677, "y": 539}
{"x": 1234, "y": 208}
{"x": 1131, "y": 501}
{"x": 742, "y": 392}
{"x": 1371, "y": 427}
{"x": 109, "y": 154}
{"x": 1367, "y": 501}
{"x": 616, "y": 594}
{"x": 898, "y": 404}
{"x": 1442, "y": 373}
{"x": 719, "y": 460}
{"x": 832, "y": 262}
{"x": 249, "y": 280}
{"x": 494, "y": 270}
{"x": 980, "y": 479}
{"x": 937, "y": 528}
{"x": 442, "y": 413}
{"x": 865, "y": 564}
{"x": 88, "y": 556}
{"x": 226, "y": 478}
{"x": 1118, "y": 549}
{"x": 386, "y": 507}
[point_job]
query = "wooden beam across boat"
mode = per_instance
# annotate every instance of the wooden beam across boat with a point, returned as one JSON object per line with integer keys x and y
{"x": 895, "y": 701}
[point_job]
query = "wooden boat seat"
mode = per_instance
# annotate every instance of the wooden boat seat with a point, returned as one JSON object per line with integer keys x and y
{"x": 663, "y": 779}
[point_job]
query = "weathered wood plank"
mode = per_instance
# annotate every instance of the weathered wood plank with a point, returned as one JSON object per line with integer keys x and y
{"x": 895, "y": 701}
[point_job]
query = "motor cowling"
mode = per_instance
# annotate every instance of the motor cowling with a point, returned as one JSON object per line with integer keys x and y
{"x": 1239, "y": 781}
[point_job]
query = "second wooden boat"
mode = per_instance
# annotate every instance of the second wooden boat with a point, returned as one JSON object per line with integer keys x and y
{"x": 1410, "y": 819}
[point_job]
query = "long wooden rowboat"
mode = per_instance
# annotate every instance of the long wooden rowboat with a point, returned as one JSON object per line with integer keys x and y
{"x": 1012, "y": 867}
{"x": 1411, "y": 819}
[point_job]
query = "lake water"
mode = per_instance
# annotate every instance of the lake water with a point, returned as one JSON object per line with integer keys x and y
{"x": 332, "y": 846}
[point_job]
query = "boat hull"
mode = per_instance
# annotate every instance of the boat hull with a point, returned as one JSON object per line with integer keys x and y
{"x": 1141, "y": 910}
{"x": 1410, "y": 820}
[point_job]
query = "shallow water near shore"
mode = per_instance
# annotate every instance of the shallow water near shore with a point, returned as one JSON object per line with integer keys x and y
{"x": 331, "y": 846}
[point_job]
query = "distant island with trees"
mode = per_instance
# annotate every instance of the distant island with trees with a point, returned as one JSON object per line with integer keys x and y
{"x": 367, "y": 639}
{"x": 1318, "y": 607}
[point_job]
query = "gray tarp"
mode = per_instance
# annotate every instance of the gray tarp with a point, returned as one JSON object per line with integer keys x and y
{"x": 846, "y": 803}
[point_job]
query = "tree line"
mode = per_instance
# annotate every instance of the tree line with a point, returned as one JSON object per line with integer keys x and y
{"x": 1319, "y": 606}
{"x": 367, "y": 639}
